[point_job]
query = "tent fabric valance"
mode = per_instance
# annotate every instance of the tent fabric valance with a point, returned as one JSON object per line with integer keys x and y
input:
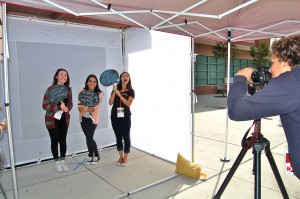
{"x": 206, "y": 19}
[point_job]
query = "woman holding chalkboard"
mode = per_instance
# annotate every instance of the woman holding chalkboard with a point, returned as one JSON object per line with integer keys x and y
{"x": 57, "y": 103}
{"x": 121, "y": 98}
{"x": 89, "y": 100}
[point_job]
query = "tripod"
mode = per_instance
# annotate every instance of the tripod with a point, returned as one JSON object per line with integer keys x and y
{"x": 258, "y": 142}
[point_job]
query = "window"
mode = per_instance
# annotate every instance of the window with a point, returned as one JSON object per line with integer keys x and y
{"x": 210, "y": 70}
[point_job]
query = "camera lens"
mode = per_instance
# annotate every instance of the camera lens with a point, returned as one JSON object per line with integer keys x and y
{"x": 261, "y": 76}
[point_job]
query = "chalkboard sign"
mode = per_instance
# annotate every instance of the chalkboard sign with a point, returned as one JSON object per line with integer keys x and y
{"x": 109, "y": 77}
{"x": 57, "y": 93}
{"x": 88, "y": 98}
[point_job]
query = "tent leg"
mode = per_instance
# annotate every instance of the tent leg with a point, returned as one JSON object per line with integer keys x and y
{"x": 225, "y": 158}
{"x": 193, "y": 99}
{"x": 5, "y": 66}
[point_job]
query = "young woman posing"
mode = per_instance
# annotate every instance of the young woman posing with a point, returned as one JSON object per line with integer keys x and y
{"x": 58, "y": 128}
{"x": 121, "y": 98}
{"x": 89, "y": 117}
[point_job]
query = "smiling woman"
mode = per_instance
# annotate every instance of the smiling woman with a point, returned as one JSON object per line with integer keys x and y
{"x": 57, "y": 118}
{"x": 89, "y": 100}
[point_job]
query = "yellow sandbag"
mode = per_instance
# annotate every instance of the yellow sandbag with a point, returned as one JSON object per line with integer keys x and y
{"x": 187, "y": 168}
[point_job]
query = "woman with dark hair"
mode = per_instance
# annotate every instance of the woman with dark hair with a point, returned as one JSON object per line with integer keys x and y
{"x": 89, "y": 118}
{"x": 58, "y": 126}
{"x": 121, "y": 98}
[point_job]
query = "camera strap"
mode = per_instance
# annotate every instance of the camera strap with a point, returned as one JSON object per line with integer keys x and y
{"x": 248, "y": 144}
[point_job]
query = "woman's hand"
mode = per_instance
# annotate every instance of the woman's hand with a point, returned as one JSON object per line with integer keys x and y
{"x": 63, "y": 107}
{"x": 117, "y": 92}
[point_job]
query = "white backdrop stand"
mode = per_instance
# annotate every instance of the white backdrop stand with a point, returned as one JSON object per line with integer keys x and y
{"x": 5, "y": 67}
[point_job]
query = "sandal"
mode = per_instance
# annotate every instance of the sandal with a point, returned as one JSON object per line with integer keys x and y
{"x": 119, "y": 162}
{"x": 124, "y": 162}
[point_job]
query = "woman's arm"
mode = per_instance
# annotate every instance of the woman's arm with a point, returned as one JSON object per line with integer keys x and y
{"x": 112, "y": 97}
{"x": 125, "y": 101}
{"x": 82, "y": 108}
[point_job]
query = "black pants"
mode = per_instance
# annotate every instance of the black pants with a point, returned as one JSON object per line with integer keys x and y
{"x": 58, "y": 135}
{"x": 89, "y": 130}
{"x": 121, "y": 127}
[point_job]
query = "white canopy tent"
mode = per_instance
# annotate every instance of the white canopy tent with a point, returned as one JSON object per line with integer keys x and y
{"x": 205, "y": 19}
{"x": 227, "y": 20}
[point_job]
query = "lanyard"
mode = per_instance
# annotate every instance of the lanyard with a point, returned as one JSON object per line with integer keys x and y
{"x": 120, "y": 99}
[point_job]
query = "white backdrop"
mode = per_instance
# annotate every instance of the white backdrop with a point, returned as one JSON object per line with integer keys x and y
{"x": 37, "y": 49}
{"x": 159, "y": 64}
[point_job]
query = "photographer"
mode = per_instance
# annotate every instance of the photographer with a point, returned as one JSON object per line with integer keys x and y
{"x": 281, "y": 96}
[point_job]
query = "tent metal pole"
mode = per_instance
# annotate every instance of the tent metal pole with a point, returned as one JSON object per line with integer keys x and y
{"x": 119, "y": 13}
{"x": 7, "y": 108}
{"x": 124, "y": 65}
{"x": 147, "y": 186}
{"x": 193, "y": 98}
{"x": 225, "y": 158}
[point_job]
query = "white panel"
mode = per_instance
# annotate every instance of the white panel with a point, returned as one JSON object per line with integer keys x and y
{"x": 37, "y": 50}
{"x": 159, "y": 65}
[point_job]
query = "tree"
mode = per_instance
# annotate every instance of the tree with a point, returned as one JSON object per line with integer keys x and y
{"x": 220, "y": 50}
{"x": 260, "y": 54}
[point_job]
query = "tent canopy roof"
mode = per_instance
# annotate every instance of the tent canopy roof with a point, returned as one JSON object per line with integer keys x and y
{"x": 205, "y": 19}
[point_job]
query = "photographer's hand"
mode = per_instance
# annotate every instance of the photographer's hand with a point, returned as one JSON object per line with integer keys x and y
{"x": 246, "y": 72}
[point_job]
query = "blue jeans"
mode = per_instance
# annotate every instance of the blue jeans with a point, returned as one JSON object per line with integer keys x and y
{"x": 121, "y": 127}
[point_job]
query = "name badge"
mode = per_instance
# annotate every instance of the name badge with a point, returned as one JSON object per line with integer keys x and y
{"x": 58, "y": 114}
{"x": 120, "y": 112}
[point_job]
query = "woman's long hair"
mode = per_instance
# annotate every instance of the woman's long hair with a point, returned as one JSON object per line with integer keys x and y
{"x": 97, "y": 89}
{"x": 55, "y": 80}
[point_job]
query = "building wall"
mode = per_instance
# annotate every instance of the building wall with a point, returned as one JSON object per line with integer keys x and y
{"x": 206, "y": 49}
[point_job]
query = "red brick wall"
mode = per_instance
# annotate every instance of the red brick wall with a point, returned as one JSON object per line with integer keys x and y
{"x": 202, "y": 90}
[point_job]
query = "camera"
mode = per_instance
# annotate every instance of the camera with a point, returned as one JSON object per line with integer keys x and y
{"x": 261, "y": 76}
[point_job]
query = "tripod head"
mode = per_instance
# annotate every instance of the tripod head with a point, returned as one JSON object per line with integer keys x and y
{"x": 249, "y": 142}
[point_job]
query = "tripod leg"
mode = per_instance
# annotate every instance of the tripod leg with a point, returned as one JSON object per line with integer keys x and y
{"x": 231, "y": 172}
{"x": 275, "y": 170}
{"x": 257, "y": 148}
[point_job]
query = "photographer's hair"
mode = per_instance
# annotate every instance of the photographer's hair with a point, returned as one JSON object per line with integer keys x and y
{"x": 128, "y": 86}
{"x": 67, "y": 83}
{"x": 287, "y": 50}
{"x": 97, "y": 89}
